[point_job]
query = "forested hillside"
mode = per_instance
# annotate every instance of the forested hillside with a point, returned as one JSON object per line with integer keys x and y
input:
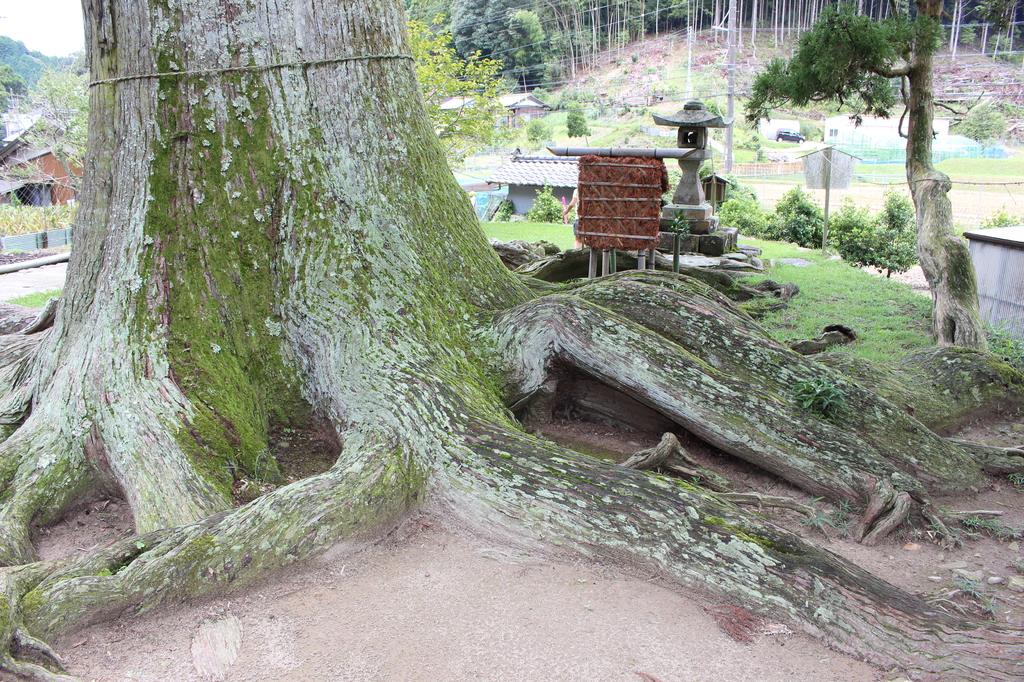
{"x": 26, "y": 63}
{"x": 543, "y": 43}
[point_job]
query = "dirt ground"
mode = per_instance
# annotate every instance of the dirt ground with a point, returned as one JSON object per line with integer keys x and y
{"x": 433, "y": 602}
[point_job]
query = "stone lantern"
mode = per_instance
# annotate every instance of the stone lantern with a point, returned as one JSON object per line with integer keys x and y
{"x": 688, "y": 202}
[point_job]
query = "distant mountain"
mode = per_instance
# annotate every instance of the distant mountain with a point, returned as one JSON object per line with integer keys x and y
{"x": 26, "y": 63}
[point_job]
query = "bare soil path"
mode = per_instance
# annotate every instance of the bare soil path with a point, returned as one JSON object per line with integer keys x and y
{"x": 438, "y": 604}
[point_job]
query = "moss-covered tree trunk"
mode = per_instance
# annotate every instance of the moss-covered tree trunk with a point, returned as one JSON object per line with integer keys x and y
{"x": 269, "y": 235}
{"x": 944, "y": 257}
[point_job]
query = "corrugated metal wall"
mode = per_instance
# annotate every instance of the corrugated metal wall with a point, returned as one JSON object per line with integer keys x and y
{"x": 1000, "y": 270}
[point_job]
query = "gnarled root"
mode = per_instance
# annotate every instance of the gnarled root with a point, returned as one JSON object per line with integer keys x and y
{"x": 372, "y": 483}
{"x": 670, "y": 456}
{"x": 15, "y": 319}
{"x": 511, "y": 481}
{"x": 680, "y": 348}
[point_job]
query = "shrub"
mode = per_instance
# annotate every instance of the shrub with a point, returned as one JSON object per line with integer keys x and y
{"x": 1001, "y": 219}
{"x": 851, "y": 231}
{"x": 1006, "y": 347}
{"x": 505, "y": 210}
{"x": 745, "y": 213}
{"x": 576, "y": 123}
{"x": 538, "y": 131}
{"x": 546, "y": 208}
{"x": 797, "y": 219}
{"x": 811, "y": 130}
{"x": 887, "y": 241}
{"x": 984, "y": 123}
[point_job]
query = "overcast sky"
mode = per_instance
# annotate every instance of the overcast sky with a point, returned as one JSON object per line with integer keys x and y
{"x": 53, "y": 27}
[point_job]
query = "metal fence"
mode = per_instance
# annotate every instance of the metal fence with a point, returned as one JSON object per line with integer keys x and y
{"x": 37, "y": 240}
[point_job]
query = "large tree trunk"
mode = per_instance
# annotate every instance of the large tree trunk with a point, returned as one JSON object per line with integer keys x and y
{"x": 944, "y": 257}
{"x": 270, "y": 237}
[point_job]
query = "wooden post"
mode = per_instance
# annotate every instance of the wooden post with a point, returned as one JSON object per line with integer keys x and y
{"x": 652, "y": 263}
{"x": 828, "y": 192}
{"x": 605, "y": 262}
{"x": 641, "y": 260}
{"x": 592, "y": 268}
{"x": 675, "y": 252}
{"x": 615, "y": 261}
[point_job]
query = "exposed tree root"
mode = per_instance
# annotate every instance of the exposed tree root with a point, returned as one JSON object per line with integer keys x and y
{"x": 371, "y": 484}
{"x": 995, "y": 460}
{"x": 14, "y": 319}
{"x": 715, "y": 373}
{"x": 510, "y": 479}
{"x": 669, "y": 455}
{"x": 16, "y": 354}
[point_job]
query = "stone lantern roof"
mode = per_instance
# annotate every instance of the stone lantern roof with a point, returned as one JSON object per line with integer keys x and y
{"x": 693, "y": 115}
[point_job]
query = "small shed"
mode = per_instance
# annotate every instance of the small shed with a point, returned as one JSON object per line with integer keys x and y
{"x": 998, "y": 257}
{"x": 526, "y": 176}
{"x": 520, "y": 107}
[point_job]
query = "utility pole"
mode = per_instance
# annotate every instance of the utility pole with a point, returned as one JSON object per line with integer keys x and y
{"x": 827, "y": 160}
{"x": 731, "y": 75}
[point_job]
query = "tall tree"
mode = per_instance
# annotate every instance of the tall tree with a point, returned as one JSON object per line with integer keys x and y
{"x": 269, "y": 238}
{"x": 851, "y": 59}
{"x": 460, "y": 95}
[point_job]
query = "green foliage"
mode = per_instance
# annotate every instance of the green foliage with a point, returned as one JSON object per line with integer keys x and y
{"x": 16, "y": 219}
{"x": 887, "y": 241}
{"x": 844, "y": 57}
{"x": 1001, "y": 219}
{"x": 984, "y": 123}
{"x": 11, "y": 84}
{"x": 970, "y": 587}
{"x": 576, "y": 122}
{"x": 811, "y": 130}
{"x": 797, "y": 219}
{"x": 28, "y": 64}
{"x": 505, "y": 211}
{"x": 504, "y": 27}
{"x": 1006, "y": 347}
{"x": 538, "y": 131}
{"x": 546, "y": 208}
{"x": 61, "y": 99}
{"x": 442, "y": 75}
{"x": 820, "y": 396}
{"x": 977, "y": 525}
{"x": 745, "y": 213}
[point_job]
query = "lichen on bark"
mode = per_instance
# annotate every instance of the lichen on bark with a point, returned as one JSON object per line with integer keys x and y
{"x": 284, "y": 240}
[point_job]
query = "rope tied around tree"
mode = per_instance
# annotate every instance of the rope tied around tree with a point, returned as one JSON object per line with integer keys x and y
{"x": 250, "y": 68}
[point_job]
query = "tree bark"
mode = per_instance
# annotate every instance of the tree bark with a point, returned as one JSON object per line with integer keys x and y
{"x": 944, "y": 257}
{"x": 269, "y": 236}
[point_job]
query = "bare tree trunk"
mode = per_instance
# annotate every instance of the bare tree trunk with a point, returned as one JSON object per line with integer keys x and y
{"x": 944, "y": 257}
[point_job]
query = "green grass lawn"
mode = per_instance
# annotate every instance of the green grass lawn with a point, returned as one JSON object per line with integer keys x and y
{"x": 889, "y": 317}
{"x": 555, "y": 233}
{"x": 36, "y": 300}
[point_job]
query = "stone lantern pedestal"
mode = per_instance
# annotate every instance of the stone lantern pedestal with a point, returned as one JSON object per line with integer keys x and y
{"x": 689, "y": 206}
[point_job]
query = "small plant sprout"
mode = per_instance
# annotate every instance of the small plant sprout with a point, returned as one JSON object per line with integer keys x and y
{"x": 967, "y": 586}
{"x": 976, "y": 525}
{"x": 1017, "y": 479}
{"x": 988, "y": 606}
{"x": 820, "y": 396}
